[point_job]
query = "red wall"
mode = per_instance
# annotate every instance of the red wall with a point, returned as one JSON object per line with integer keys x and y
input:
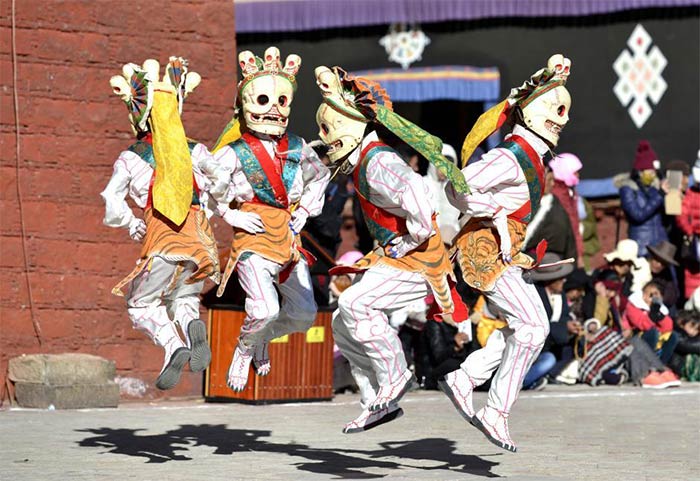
{"x": 72, "y": 128}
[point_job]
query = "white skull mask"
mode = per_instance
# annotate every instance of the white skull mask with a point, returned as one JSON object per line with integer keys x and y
{"x": 341, "y": 133}
{"x": 266, "y": 103}
{"x": 548, "y": 114}
{"x": 267, "y": 90}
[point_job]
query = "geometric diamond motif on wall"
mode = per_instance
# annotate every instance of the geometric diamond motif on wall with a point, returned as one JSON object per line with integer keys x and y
{"x": 639, "y": 76}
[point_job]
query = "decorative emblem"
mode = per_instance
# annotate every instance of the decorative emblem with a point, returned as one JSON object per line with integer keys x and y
{"x": 404, "y": 46}
{"x": 640, "y": 76}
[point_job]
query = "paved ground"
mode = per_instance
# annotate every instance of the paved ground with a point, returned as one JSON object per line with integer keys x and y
{"x": 564, "y": 433}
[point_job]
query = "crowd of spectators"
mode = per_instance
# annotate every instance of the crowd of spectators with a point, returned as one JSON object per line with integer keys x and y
{"x": 632, "y": 318}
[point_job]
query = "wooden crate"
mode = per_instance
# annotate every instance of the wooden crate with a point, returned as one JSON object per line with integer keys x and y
{"x": 302, "y": 363}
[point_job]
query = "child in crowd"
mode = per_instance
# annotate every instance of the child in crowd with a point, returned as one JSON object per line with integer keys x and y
{"x": 686, "y": 358}
{"x": 646, "y": 314}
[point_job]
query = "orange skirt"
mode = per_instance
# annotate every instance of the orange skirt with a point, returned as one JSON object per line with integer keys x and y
{"x": 430, "y": 260}
{"x": 192, "y": 241}
{"x": 277, "y": 244}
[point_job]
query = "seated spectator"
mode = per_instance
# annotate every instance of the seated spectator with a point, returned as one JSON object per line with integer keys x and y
{"x": 603, "y": 302}
{"x": 577, "y": 285}
{"x": 642, "y": 200}
{"x": 647, "y": 315}
{"x": 661, "y": 257}
{"x": 686, "y": 358}
{"x": 447, "y": 348}
{"x": 410, "y": 323}
{"x": 633, "y": 271}
{"x": 563, "y": 330}
{"x": 489, "y": 320}
{"x": 646, "y": 369}
{"x": 604, "y": 354}
{"x": 486, "y": 321}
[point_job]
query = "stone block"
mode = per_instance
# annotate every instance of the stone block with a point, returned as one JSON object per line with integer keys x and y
{"x": 61, "y": 369}
{"x": 76, "y": 396}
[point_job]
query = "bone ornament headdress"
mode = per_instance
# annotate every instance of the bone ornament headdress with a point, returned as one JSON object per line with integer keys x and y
{"x": 539, "y": 84}
{"x": 155, "y": 106}
{"x": 136, "y": 84}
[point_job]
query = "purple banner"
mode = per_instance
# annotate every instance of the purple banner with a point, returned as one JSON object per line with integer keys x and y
{"x": 303, "y": 15}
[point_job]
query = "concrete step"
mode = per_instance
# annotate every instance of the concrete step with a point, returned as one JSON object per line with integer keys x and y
{"x": 76, "y": 396}
{"x": 61, "y": 369}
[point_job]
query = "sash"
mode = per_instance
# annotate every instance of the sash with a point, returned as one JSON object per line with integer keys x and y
{"x": 533, "y": 169}
{"x": 382, "y": 224}
{"x": 270, "y": 178}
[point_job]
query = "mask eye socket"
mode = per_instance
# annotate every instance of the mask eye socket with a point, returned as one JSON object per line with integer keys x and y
{"x": 561, "y": 110}
{"x": 263, "y": 99}
{"x": 324, "y": 129}
{"x": 282, "y": 100}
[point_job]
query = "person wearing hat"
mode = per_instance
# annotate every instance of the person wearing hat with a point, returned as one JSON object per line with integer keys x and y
{"x": 632, "y": 270}
{"x": 689, "y": 223}
{"x": 661, "y": 257}
{"x": 565, "y": 169}
{"x": 577, "y": 285}
{"x": 549, "y": 282}
{"x": 642, "y": 200}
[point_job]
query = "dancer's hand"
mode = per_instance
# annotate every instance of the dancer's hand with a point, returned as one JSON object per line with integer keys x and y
{"x": 500, "y": 222}
{"x": 247, "y": 221}
{"x": 137, "y": 229}
{"x": 402, "y": 246}
{"x": 298, "y": 221}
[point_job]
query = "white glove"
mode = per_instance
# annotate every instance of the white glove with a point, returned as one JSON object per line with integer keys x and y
{"x": 298, "y": 221}
{"x": 402, "y": 246}
{"x": 247, "y": 221}
{"x": 500, "y": 222}
{"x": 137, "y": 229}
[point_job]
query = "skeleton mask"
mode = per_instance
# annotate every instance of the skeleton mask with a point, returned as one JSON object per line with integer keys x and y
{"x": 548, "y": 114}
{"x": 267, "y": 90}
{"x": 342, "y": 134}
{"x": 341, "y": 125}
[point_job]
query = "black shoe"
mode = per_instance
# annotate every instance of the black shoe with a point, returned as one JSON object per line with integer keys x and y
{"x": 170, "y": 375}
{"x": 538, "y": 385}
{"x": 201, "y": 354}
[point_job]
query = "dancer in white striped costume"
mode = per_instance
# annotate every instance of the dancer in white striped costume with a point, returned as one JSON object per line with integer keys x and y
{"x": 506, "y": 186}
{"x": 169, "y": 276}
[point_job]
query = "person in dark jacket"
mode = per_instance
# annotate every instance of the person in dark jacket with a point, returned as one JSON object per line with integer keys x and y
{"x": 321, "y": 234}
{"x": 642, "y": 200}
{"x": 549, "y": 282}
{"x": 447, "y": 348}
{"x": 685, "y": 361}
{"x": 661, "y": 259}
{"x": 551, "y": 223}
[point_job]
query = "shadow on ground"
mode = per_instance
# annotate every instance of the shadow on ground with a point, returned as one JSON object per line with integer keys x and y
{"x": 174, "y": 445}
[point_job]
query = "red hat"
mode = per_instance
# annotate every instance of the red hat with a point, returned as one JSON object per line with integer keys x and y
{"x": 645, "y": 156}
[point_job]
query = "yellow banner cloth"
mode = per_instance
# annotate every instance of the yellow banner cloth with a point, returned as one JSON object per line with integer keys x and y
{"x": 172, "y": 189}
